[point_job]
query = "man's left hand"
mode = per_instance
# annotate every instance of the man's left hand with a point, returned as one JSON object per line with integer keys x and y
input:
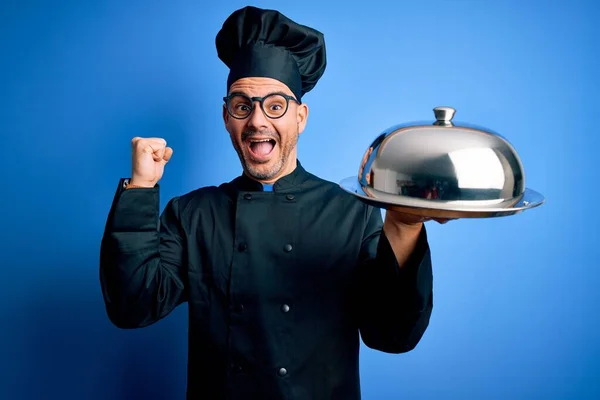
{"x": 410, "y": 220}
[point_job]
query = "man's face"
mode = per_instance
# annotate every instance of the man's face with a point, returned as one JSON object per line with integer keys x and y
{"x": 266, "y": 147}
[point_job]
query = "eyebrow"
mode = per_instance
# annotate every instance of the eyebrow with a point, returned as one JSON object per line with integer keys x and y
{"x": 235, "y": 93}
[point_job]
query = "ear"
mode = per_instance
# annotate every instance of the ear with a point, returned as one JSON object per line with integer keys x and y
{"x": 301, "y": 117}
{"x": 226, "y": 119}
{"x": 225, "y": 115}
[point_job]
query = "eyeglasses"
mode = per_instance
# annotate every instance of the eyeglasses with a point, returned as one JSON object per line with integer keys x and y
{"x": 273, "y": 105}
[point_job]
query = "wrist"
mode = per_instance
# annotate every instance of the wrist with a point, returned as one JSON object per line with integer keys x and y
{"x": 403, "y": 222}
{"x": 402, "y": 229}
{"x": 137, "y": 184}
{"x": 140, "y": 183}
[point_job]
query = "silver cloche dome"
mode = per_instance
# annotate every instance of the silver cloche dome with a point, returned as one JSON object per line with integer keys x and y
{"x": 443, "y": 170}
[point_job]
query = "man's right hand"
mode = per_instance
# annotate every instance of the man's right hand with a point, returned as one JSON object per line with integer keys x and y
{"x": 149, "y": 156}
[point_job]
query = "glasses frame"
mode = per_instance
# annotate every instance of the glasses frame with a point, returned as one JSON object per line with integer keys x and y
{"x": 260, "y": 100}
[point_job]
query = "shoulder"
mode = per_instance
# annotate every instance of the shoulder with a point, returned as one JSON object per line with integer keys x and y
{"x": 202, "y": 197}
{"x": 332, "y": 191}
{"x": 333, "y": 197}
{"x": 332, "y": 188}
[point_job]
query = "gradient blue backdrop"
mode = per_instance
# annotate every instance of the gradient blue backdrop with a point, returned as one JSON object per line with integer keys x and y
{"x": 516, "y": 299}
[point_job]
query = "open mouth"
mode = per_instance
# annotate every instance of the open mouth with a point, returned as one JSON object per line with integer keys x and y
{"x": 261, "y": 148}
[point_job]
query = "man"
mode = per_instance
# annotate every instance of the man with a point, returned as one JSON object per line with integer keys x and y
{"x": 281, "y": 270}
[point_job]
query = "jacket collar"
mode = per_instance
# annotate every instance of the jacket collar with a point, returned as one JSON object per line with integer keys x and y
{"x": 283, "y": 184}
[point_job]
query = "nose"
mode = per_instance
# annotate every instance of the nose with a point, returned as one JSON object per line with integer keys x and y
{"x": 257, "y": 119}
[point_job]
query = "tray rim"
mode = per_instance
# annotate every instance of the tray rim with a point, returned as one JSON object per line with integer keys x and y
{"x": 531, "y": 197}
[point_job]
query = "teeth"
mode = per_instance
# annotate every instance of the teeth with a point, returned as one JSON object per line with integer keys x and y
{"x": 260, "y": 141}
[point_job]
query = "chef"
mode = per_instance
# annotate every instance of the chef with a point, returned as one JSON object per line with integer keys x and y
{"x": 282, "y": 271}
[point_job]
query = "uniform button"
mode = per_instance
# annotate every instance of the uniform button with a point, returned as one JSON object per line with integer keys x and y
{"x": 287, "y": 248}
{"x": 290, "y": 197}
{"x": 285, "y": 308}
{"x": 242, "y": 247}
{"x": 236, "y": 367}
{"x": 282, "y": 372}
{"x": 248, "y": 196}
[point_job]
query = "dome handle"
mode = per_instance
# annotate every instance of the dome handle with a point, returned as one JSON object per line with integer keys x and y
{"x": 444, "y": 115}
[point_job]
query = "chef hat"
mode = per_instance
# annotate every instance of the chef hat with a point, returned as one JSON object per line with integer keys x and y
{"x": 264, "y": 43}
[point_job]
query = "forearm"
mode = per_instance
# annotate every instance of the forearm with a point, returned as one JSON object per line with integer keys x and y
{"x": 403, "y": 238}
{"x": 139, "y": 268}
{"x": 396, "y": 302}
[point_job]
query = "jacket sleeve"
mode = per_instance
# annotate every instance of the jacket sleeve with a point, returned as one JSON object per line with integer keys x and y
{"x": 395, "y": 304}
{"x": 142, "y": 272}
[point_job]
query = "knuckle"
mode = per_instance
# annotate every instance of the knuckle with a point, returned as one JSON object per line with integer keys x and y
{"x": 141, "y": 145}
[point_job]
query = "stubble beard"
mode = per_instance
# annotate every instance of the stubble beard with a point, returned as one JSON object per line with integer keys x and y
{"x": 258, "y": 172}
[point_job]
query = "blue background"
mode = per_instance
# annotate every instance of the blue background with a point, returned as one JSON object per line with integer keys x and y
{"x": 516, "y": 299}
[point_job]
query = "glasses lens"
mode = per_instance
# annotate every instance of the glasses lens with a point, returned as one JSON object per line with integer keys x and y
{"x": 240, "y": 106}
{"x": 275, "y": 105}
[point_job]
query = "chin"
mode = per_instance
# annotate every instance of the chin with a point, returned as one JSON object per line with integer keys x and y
{"x": 263, "y": 170}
